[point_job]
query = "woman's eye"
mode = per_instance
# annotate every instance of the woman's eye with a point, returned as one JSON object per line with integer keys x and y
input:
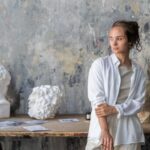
{"x": 111, "y": 39}
{"x": 120, "y": 39}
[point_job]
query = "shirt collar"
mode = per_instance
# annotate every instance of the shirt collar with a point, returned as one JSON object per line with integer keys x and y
{"x": 116, "y": 61}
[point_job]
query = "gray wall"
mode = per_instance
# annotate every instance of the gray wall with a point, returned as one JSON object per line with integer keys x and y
{"x": 55, "y": 41}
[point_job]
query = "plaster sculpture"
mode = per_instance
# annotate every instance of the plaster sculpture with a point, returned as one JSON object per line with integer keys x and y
{"x": 4, "y": 82}
{"x": 44, "y": 101}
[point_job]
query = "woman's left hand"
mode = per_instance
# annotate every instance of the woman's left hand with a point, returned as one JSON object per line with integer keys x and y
{"x": 105, "y": 110}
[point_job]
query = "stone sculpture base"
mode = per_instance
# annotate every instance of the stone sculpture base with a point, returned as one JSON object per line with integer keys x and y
{"x": 4, "y": 110}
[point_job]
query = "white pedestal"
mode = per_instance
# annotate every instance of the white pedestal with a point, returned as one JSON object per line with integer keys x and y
{"x": 5, "y": 110}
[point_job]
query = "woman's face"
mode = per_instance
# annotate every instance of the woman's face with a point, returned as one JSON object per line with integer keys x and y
{"x": 118, "y": 40}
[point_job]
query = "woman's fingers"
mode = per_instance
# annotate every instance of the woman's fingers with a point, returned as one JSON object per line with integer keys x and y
{"x": 110, "y": 144}
{"x": 103, "y": 110}
{"x": 107, "y": 143}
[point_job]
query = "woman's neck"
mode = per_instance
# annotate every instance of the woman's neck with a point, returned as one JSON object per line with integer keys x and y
{"x": 124, "y": 60}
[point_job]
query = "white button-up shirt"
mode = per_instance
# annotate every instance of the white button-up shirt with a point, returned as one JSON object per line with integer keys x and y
{"x": 103, "y": 87}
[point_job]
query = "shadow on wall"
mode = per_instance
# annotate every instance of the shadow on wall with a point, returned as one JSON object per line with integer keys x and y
{"x": 13, "y": 97}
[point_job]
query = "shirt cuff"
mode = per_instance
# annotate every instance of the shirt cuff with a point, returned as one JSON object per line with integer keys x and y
{"x": 96, "y": 103}
{"x": 120, "y": 111}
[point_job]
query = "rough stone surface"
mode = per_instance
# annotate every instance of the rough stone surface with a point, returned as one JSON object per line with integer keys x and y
{"x": 44, "y": 101}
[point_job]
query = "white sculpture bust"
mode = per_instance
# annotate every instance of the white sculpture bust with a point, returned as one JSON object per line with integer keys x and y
{"x": 4, "y": 82}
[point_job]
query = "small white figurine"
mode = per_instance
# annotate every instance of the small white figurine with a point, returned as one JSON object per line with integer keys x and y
{"x": 44, "y": 101}
{"x": 4, "y": 82}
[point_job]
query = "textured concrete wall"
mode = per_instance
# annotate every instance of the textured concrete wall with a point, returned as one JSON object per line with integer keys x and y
{"x": 55, "y": 42}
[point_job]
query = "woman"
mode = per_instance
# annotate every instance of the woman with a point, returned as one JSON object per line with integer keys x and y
{"x": 116, "y": 90}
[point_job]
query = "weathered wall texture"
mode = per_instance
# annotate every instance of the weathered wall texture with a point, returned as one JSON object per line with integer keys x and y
{"x": 55, "y": 42}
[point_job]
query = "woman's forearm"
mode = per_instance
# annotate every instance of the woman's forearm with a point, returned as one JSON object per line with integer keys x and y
{"x": 105, "y": 138}
{"x": 103, "y": 123}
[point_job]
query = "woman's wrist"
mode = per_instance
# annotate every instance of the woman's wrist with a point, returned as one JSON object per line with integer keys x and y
{"x": 104, "y": 130}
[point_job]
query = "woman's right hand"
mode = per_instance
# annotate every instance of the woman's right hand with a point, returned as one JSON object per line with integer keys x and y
{"x": 107, "y": 140}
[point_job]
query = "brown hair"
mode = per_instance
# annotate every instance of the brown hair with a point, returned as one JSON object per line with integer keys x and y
{"x": 132, "y": 32}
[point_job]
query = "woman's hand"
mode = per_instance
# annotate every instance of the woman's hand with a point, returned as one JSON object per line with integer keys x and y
{"x": 105, "y": 110}
{"x": 102, "y": 111}
{"x": 107, "y": 140}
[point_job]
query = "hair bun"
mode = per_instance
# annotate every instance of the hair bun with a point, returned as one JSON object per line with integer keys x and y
{"x": 131, "y": 30}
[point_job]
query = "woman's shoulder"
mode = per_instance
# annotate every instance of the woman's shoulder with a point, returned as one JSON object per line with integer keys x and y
{"x": 100, "y": 64}
{"x": 101, "y": 60}
{"x": 137, "y": 65}
{"x": 139, "y": 68}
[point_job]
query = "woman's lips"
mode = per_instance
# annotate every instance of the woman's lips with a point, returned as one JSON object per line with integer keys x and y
{"x": 115, "y": 47}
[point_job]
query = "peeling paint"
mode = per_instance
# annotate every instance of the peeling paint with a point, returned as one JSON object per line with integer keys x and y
{"x": 92, "y": 32}
{"x": 103, "y": 2}
{"x": 135, "y": 7}
{"x": 146, "y": 27}
{"x": 67, "y": 58}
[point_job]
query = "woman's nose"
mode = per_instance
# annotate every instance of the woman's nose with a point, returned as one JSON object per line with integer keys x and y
{"x": 114, "y": 42}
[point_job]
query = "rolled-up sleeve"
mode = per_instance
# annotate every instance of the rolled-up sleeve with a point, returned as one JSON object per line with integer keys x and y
{"x": 96, "y": 93}
{"x": 133, "y": 106}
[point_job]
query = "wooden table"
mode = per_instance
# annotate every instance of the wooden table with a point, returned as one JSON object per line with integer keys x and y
{"x": 55, "y": 127}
